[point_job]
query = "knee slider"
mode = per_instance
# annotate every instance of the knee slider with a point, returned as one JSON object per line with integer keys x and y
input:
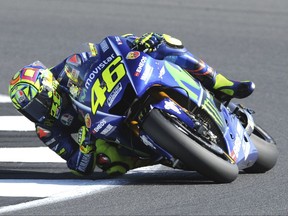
{"x": 109, "y": 159}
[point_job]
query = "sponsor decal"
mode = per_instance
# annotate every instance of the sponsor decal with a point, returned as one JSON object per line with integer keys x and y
{"x": 66, "y": 119}
{"x": 246, "y": 149}
{"x": 71, "y": 73}
{"x": 140, "y": 66}
{"x": 104, "y": 46}
{"x": 87, "y": 120}
{"x": 238, "y": 143}
{"x": 117, "y": 89}
{"x": 55, "y": 147}
{"x": 84, "y": 162}
{"x": 96, "y": 70}
{"x": 210, "y": 108}
{"x": 111, "y": 76}
{"x": 49, "y": 142}
{"x": 146, "y": 141}
{"x": 56, "y": 114}
{"x": 59, "y": 151}
{"x": 74, "y": 91}
{"x": 236, "y": 148}
{"x": 161, "y": 73}
{"x": 133, "y": 55}
{"x": 169, "y": 105}
{"x": 108, "y": 130}
{"x": 49, "y": 122}
{"x": 93, "y": 49}
{"x": 84, "y": 56}
{"x": 42, "y": 132}
{"x": 20, "y": 96}
{"x": 147, "y": 74}
{"x": 118, "y": 40}
{"x": 99, "y": 126}
{"x": 82, "y": 95}
{"x": 74, "y": 60}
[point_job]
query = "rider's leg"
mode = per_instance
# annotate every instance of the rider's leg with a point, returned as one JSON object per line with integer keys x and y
{"x": 222, "y": 87}
{"x": 111, "y": 161}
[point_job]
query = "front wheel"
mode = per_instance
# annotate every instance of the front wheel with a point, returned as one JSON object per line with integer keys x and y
{"x": 267, "y": 151}
{"x": 192, "y": 154}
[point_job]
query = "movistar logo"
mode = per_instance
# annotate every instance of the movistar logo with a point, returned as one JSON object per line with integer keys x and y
{"x": 96, "y": 70}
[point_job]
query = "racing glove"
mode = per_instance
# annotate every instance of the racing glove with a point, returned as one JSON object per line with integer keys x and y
{"x": 148, "y": 42}
{"x": 87, "y": 145}
{"x": 83, "y": 162}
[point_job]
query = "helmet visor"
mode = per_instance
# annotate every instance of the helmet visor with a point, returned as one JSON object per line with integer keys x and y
{"x": 38, "y": 108}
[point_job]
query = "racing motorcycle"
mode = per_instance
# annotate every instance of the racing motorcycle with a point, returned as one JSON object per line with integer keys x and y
{"x": 155, "y": 110}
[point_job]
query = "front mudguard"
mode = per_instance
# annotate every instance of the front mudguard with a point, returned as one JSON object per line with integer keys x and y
{"x": 169, "y": 106}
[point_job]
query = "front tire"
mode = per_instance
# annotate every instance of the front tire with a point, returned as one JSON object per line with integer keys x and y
{"x": 192, "y": 154}
{"x": 267, "y": 151}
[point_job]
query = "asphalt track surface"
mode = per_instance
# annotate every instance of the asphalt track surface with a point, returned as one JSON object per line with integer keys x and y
{"x": 241, "y": 39}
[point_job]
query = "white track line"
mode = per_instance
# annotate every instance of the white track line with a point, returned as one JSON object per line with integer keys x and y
{"x": 75, "y": 188}
{"x": 16, "y": 123}
{"x": 40, "y": 187}
{"x": 4, "y": 99}
{"x": 76, "y": 192}
{"x": 29, "y": 155}
{"x": 53, "y": 190}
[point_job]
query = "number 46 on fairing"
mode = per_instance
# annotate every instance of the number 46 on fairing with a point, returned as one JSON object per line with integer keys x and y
{"x": 112, "y": 75}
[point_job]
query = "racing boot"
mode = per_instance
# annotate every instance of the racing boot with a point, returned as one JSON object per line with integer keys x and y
{"x": 223, "y": 88}
{"x": 226, "y": 89}
{"x": 111, "y": 161}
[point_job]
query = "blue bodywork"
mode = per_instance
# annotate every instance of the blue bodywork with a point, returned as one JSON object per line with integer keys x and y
{"x": 117, "y": 67}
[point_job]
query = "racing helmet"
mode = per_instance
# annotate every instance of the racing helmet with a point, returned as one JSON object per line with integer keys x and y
{"x": 33, "y": 91}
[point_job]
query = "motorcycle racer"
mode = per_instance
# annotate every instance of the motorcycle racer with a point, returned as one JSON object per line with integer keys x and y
{"x": 43, "y": 96}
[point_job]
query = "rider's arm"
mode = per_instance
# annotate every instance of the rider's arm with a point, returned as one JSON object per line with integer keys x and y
{"x": 171, "y": 49}
{"x": 186, "y": 60}
{"x": 79, "y": 158}
{"x": 57, "y": 140}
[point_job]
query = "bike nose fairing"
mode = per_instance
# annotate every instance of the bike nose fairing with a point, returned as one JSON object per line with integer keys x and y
{"x": 118, "y": 68}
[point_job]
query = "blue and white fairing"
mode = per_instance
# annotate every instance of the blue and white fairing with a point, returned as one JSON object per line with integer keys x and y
{"x": 116, "y": 68}
{"x": 240, "y": 146}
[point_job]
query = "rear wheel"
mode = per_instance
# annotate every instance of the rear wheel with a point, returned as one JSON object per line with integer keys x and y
{"x": 172, "y": 138}
{"x": 267, "y": 151}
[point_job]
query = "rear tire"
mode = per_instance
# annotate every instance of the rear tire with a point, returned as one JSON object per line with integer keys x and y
{"x": 267, "y": 151}
{"x": 192, "y": 154}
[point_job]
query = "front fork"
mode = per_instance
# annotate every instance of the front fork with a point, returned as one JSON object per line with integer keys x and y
{"x": 244, "y": 115}
{"x": 136, "y": 115}
{"x": 174, "y": 111}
